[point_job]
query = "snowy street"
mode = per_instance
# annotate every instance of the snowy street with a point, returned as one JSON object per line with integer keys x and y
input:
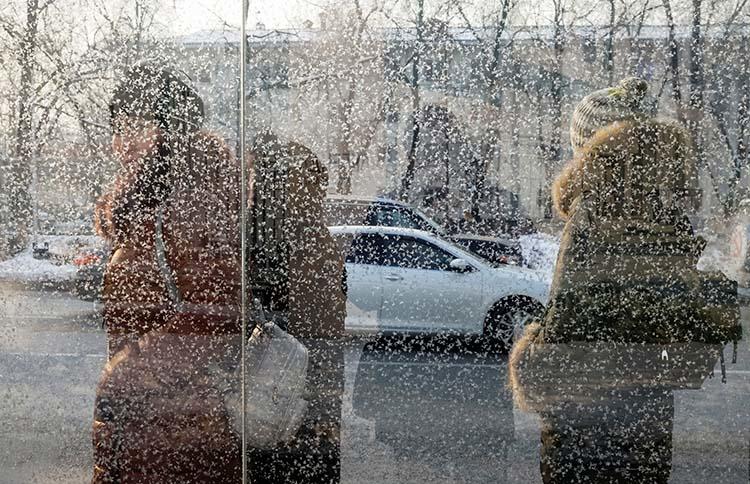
{"x": 408, "y": 416}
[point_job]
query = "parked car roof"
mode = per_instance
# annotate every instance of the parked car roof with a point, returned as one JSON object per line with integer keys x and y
{"x": 407, "y": 232}
{"x": 366, "y": 203}
{"x": 359, "y": 229}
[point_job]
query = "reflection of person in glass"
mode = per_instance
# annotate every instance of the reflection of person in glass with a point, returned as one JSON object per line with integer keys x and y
{"x": 622, "y": 285}
{"x": 303, "y": 270}
{"x": 172, "y": 218}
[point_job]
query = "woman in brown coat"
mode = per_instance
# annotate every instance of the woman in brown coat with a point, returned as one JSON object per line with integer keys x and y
{"x": 171, "y": 290}
{"x": 630, "y": 318}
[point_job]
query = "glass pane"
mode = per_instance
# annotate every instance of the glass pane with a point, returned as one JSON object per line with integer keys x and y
{"x": 216, "y": 217}
{"x": 579, "y": 169}
{"x": 120, "y": 248}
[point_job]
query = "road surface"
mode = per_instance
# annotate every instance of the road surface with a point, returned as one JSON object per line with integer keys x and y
{"x": 410, "y": 414}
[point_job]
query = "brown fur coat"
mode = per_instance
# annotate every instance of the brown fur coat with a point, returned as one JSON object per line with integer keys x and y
{"x": 626, "y": 162}
{"x": 201, "y": 231}
{"x": 156, "y": 418}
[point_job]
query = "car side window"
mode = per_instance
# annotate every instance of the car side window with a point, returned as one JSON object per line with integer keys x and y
{"x": 366, "y": 249}
{"x": 410, "y": 253}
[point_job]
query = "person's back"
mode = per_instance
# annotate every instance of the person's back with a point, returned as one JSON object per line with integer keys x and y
{"x": 625, "y": 276}
{"x": 628, "y": 256}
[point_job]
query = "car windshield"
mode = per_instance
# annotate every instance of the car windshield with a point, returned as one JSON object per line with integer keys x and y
{"x": 433, "y": 226}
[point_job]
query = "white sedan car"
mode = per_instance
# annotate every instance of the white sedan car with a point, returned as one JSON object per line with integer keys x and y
{"x": 410, "y": 281}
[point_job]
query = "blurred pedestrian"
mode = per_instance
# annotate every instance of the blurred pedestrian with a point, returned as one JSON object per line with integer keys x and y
{"x": 309, "y": 288}
{"x": 622, "y": 280}
{"x": 171, "y": 289}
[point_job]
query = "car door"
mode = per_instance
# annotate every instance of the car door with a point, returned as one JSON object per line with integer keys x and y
{"x": 363, "y": 281}
{"x": 421, "y": 293}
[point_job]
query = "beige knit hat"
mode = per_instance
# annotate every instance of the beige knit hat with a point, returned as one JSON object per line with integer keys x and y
{"x": 629, "y": 100}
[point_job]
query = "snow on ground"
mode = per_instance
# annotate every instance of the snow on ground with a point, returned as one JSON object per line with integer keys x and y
{"x": 539, "y": 250}
{"x": 715, "y": 256}
{"x": 58, "y": 267}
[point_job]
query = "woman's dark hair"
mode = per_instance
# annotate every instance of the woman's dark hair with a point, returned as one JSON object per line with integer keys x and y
{"x": 159, "y": 94}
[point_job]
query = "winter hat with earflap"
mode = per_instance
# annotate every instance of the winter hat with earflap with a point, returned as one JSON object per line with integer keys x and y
{"x": 159, "y": 94}
{"x": 628, "y": 100}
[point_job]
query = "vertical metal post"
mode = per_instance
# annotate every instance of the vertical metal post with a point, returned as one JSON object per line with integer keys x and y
{"x": 243, "y": 234}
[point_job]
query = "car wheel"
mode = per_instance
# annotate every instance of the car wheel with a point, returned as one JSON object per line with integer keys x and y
{"x": 505, "y": 323}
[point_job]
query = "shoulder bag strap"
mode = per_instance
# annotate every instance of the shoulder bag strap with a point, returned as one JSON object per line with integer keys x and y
{"x": 161, "y": 259}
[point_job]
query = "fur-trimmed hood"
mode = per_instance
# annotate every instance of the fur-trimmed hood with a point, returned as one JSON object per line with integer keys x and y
{"x": 626, "y": 163}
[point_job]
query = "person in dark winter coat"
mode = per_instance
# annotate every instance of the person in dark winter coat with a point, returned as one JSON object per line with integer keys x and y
{"x": 626, "y": 243}
{"x": 173, "y": 213}
{"x": 309, "y": 287}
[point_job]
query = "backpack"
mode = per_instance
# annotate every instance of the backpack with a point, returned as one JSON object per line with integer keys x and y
{"x": 636, "y": 281}
{"x": 628, "y": 310}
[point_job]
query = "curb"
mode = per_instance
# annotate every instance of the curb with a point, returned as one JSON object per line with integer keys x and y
{"x": 38, "y": 285}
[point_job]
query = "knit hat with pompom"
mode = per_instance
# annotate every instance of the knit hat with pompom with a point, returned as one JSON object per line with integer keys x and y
{"x": 627, "y": 101}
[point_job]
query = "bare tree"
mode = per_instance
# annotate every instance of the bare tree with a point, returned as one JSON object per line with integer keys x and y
{"x": 59, "y": 80}
{"x": 416, "y": 61}
{"x": 19, "y": 181}
{"x": 499, "y": 73}
{"x": 609, "y": 49}
{"x": 674, "y": 58}
{"x": 726, "y": 77}
{"x": 342, "y": 74}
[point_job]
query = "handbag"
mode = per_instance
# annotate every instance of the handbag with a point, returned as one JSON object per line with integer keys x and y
{"x": 275, "y": 373}
{"x": 544, "y": 376}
